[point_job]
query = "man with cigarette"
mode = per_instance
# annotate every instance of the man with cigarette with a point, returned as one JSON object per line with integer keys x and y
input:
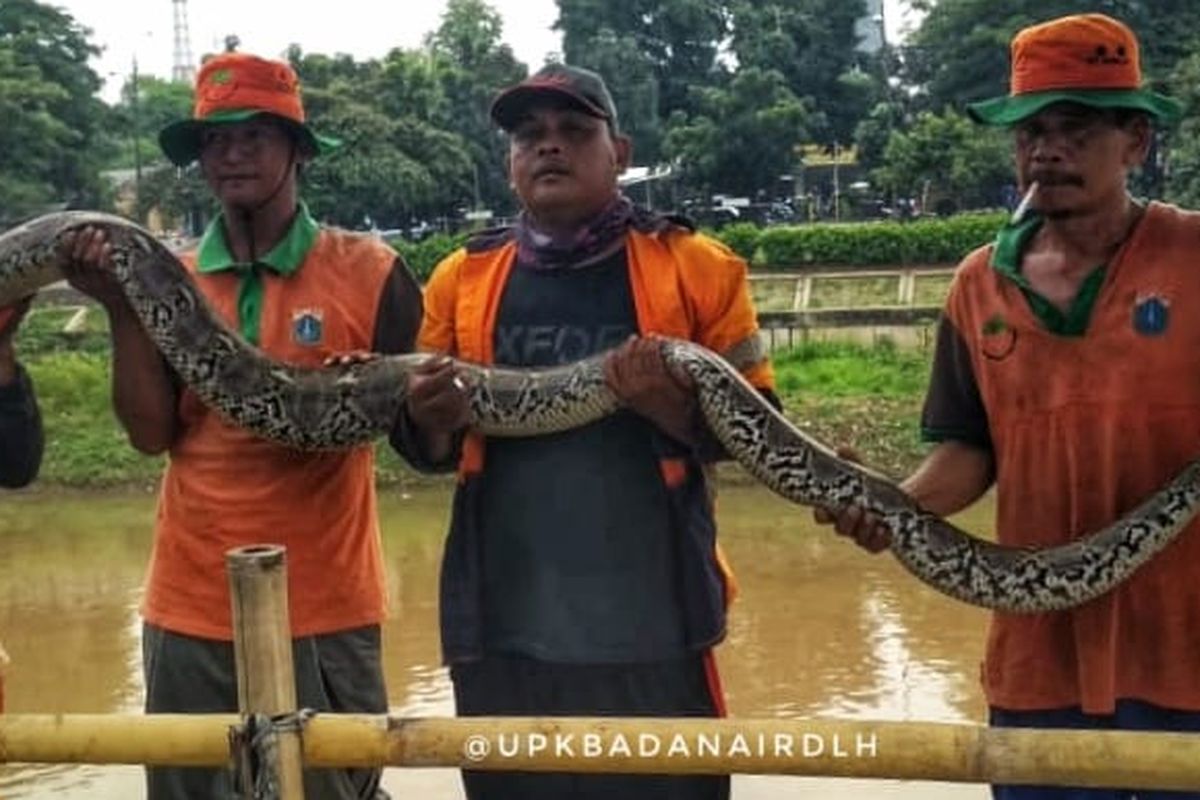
{"x": 1065, "y": 374}
{"x": 20, "y": 422}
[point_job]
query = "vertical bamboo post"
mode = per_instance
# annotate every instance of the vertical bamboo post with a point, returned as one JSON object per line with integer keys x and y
{"x": 262, "y": 646}
{"x": 4, "y": 662}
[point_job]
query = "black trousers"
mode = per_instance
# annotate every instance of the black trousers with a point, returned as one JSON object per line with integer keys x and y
{"x": 334, "y": 672}
{"x": 514, "y": 686}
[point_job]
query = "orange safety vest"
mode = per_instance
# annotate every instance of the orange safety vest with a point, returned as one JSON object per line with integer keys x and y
{"x": 224, "y": 487}
{"x": 1083, "y": 429}
{"x": 685, "y": 286}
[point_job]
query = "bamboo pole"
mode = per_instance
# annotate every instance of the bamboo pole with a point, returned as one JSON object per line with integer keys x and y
{"x": 4, "y": 662}
{"x": 262, "y": 646}
{"x": 893, "y": 750}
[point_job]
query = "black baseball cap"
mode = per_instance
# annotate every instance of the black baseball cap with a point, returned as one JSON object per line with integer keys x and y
{"x": 583, "y": 88}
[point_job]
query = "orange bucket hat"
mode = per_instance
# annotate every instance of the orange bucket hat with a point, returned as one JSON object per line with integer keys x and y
{"x": 1090, "y": 59}
{"x": 234, "y": 87}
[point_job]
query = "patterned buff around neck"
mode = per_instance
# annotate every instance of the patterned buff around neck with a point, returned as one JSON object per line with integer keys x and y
{"x": 591, "y": 241}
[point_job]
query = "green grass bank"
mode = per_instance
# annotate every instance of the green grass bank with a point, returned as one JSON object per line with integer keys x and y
{"x": 865, "y": 396}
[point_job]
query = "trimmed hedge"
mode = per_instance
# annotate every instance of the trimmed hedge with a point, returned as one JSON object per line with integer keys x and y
{"x": 742, "y": 238}
{"x": 928, "y": 241}
{"x": 424, "y": 255}
{"x": 932, "y": 241}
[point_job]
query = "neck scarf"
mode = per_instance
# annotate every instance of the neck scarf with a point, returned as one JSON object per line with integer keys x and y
{"x": 587, "y": 244}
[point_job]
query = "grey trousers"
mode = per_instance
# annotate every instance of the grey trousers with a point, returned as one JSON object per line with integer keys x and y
{"x": 339, "y": 672}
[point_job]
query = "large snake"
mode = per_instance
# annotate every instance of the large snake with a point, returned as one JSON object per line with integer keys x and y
{"x": 344, "y": 406}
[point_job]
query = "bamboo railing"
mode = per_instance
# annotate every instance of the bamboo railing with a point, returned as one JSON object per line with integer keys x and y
{"x": 894, "y": 750}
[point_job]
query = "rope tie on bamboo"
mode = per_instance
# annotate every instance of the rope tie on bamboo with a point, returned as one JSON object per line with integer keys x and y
{"x": 254, "y": 748}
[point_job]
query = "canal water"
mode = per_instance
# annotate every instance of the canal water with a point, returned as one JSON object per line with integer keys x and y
{"x": 821, "y": 630}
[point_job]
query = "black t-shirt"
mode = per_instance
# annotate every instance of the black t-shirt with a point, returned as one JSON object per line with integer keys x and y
{"x": 578, "y": 549}
{"x": 20, "y": 432}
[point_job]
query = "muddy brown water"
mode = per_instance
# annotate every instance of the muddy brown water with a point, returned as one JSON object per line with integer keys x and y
{"x": 821, "y": 630}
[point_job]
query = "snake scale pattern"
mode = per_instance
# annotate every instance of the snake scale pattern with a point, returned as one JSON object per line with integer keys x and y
{"x": 338, "y": 407}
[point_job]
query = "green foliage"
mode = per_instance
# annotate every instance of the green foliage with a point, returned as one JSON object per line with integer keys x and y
{"x": 960, "y": 52}
{"x": 959, "y": 160}
{"x": 179, "y": 196}
{"x": 50, "y": 136}
{"x": 84, "y": 443}
{"x": 812, "y": 43}
{"x": 418, "y": 139}
{"x": 631, "y": 79}
{"x": 679, "y": 39}
{"x": 387, "y": 170}
{"x": 873, "y": 132}
{"x": 742, "y": 238}
{"x": 742, "y": 137}
{"x": 1183, "y": 179}
{"x": 931, "y": 241}
{"x": 472, "y": 66}
{"x": 33, "y": 135}
{"x": 844, "y": 369}
{"x": 423, "y": 256}
{"x": 864, "y": 397}
{"x": 140, "y": 116}
{"x": 42, "y": 331}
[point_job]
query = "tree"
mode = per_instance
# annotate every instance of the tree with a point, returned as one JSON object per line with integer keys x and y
{"x": 652, "y": 54}
{"x": 388, "y": 171}
{"x": 960, "y": 51}
{"x": 157, "y": 104}
{"x": 472, "y": 66}
{"x": 814, "y": 44}
{"x": 1183, "y": 174}
{"x": 31, "y": 139}
{"x": 873, "y": 132}
{"x": 742, "y": 138}
{"x": 959, "y": 162}
{"x": 52, "y": 129}
{"x": 632, "y": 81}
{"x": 396, "y": 163}
{"x": 179, "y": 195}
{"x": 432, "y": 104}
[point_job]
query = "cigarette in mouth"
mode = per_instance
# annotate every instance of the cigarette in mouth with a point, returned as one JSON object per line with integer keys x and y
{"x": 1023, "y": 208}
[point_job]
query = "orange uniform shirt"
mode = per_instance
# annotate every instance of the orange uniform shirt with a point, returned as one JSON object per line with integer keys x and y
{"x": 225, "y": 488}
{"x": 1083, "y": 429}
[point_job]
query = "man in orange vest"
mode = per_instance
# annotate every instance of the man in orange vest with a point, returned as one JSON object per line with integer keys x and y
{"x": 20, "y": 422}
{"x": 1065, "y": 375}
{"x": 581, "y": 573}
{"x": 303, "y": 293}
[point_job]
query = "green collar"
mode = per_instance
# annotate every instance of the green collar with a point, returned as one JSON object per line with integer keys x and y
{"x": 284, "y": 258}
{"x": 1011, "y": 243}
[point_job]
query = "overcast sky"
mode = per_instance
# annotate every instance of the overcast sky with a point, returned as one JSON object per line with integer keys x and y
{"x": 363, "y": 28}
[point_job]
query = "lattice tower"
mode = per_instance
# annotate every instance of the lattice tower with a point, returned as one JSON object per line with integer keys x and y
{"x": 182, "y": 67}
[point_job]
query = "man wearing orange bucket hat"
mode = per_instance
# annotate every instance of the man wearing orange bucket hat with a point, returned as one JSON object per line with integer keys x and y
{"x": 1065, "y": 375}
{"x": 303, "y": 293}
{"x": 20, "y": 422}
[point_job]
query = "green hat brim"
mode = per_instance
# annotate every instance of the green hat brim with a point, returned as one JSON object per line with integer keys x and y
{"x": 1011, "y": 109}
{"x": 180, "y": 141}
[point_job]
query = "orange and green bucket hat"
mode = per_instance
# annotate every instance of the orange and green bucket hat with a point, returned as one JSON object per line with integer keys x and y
{"x": 1089, "y": 59}
{"x": 234, "y": 87}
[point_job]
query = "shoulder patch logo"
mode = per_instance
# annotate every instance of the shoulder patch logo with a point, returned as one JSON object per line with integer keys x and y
{"x": 308, "y": 326}
{"x": 1151, "y": 314}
